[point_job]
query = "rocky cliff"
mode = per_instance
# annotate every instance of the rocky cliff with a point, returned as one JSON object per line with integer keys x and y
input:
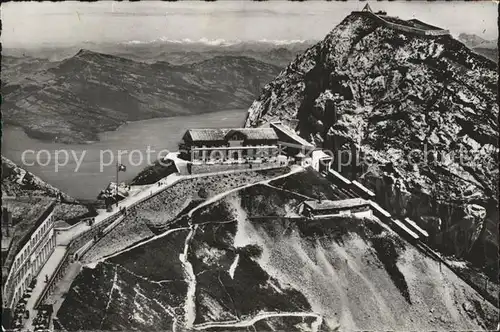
{"x": 17, "y": 183}
{"x": 419, "y": 112}
{"x": 91, "y": 92}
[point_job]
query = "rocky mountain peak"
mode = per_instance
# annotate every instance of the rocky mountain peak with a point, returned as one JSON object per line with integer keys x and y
{"x": 83, "y": 53}
{"x": 395, "y": 94}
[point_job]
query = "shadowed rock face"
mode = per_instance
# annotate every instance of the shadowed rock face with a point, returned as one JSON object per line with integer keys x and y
{"x": 92, "y": 92}
{"x": 410, "y": 106}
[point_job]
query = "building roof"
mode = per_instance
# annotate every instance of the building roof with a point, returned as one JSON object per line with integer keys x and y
{"x": 319, "y": 154}
{"x": 291, "y": 134}
{"x": 418, "y": 228}
{"x": 406, "y": 229}
{"x": 29, "y": 214}
{"x": 360, "y": 186}
{"x": 339, "y": 176}
{"x": 380, "y": 209}
{"x": 206, "y": 134}
{"x": 221, "y": 134}
{"x": 341, "y": 204}
{"x": 255, "y": 133}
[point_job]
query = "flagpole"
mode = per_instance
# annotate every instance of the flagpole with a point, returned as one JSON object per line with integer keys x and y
{"x": 117, "y": 171}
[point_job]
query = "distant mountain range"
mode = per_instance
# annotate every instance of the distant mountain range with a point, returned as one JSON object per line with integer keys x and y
{"x": 488, "y": 48}
{"x": 75, "y": 99}
{"x": 277, "y": 52}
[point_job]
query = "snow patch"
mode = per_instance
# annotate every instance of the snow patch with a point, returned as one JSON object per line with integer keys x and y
{"x": 190, "y": 278}
{"x": 233, "y": 266}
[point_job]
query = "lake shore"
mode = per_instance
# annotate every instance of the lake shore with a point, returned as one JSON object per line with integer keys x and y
{"x": 48, "y": 137}
{"x": 134, "y": 139}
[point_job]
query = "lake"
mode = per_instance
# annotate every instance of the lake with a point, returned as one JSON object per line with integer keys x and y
{"x": 133, "y": 139}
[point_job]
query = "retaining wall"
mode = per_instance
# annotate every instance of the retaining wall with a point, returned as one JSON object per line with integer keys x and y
{"x": 204, "y": 168}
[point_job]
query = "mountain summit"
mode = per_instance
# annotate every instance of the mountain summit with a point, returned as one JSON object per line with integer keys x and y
{"x": 411, "y": 101}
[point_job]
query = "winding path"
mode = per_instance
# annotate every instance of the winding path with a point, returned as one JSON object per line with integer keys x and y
{"x": 260, "y": 316}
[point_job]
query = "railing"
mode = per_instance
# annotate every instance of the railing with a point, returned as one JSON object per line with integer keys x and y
{"x": 74, "y": 245}
{"x": 482, "y": 291}
{"x": 81, "y": 221}
{"x": 62, "y": 265}
{"x": 199, "y": 169}
{"x": 83, "y": 249}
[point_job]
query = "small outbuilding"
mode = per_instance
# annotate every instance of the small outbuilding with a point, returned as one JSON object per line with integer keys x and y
{"x": 357, "y": 207}
{"x": 321, "y": 161}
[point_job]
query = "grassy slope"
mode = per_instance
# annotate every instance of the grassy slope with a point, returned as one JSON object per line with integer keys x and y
{"x": 158, "y": 213}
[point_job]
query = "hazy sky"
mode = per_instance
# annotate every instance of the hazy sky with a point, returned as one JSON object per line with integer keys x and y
{"x": 33, "y": 24}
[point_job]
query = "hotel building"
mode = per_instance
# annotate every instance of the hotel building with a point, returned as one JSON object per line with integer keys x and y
{"x": 238, "y": 145}
{"x": 28, "y": 239}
